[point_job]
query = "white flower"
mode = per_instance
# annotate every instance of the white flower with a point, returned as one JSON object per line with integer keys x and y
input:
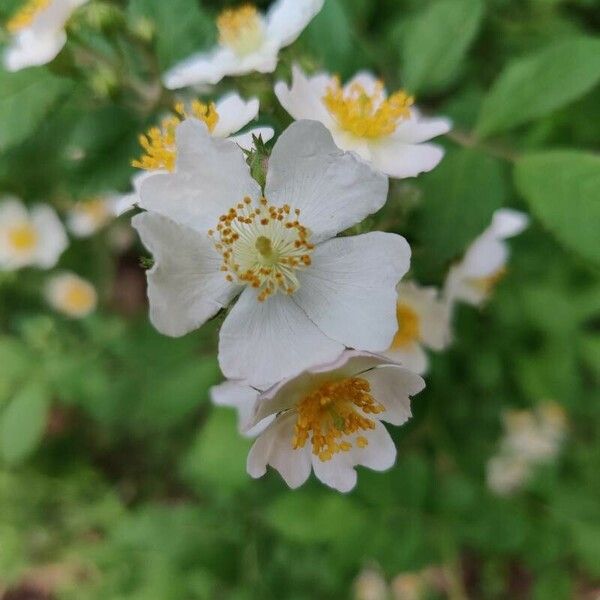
{"x": 423, "y": 320}
{"x": 329, "y": 419}
{"x": 71, "y": 295}
{"x": 303, "y": 296}
{"x": 38, "y": 32}
{"x": 248, "y": 41}
{"x": 386, "y": 131}
{"x": 507, "y": 473}
{"x": 370, "y": 585}
{"x": 473, "y": 279}
{"x": 29, "y": 238}
{"x": 89, "y": 216}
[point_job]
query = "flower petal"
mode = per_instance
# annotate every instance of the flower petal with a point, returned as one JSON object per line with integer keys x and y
{"x": 52, "y": 237}
{"x": 349, "y": 291}
{"x": 398, "y": 159}
{"x": 211, "y": 177}
{"x": 185, "y": 285}
{"x": 29, "y": 49}
{"x": 366, "y": 79}
{"x": 201, "y": 68}
{"x": 234, "y": 113}
{"x": 418, "y": 129}
{"x": 264, "y": 342}
{"x": 411, "y": 356}
{"x": 508, "y": 223}
{"x": 333, "y": 189}
{"x": 286, "y": 19}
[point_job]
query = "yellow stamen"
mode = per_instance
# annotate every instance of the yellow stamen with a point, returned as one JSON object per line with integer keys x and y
{"x": 334, "y": 410}
{"x": 25, "y": 16}
{"x": 409, "y": 327}
{"x": 23, "y": 238}
{"x": 79, "y": 297}
{"x": 365, "y": 114}
{"x": 241, "y": 29}
{"x": 159, "y": 142}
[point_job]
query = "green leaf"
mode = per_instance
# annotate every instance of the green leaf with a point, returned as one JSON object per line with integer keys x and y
{"x": 563, "y": 190}
{"x": 436, "y": 42}
{"x": 22, "y": 423}
{"x": 26, "y": 97}
{"x": 460, "y": 197}
{"x": 14, "y": 362}
{"x": 534, "y": 86}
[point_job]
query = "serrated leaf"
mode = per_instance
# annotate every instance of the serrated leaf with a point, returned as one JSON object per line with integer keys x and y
{"x": 563, "y": 191}
{"x": 436, "y": 42}
{"x": 534, "y": 86}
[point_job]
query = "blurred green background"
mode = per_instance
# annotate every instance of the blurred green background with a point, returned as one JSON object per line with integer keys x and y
{"x": 120, "y": 481}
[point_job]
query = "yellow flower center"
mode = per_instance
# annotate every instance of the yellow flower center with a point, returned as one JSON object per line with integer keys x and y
{"x": 159, "y": 142}
{"x": 263, "y": 246}
{"x": 23, "y": 238}
{"x": 332, "y": 412}
{"x": 25, "y": 16}
{"x": 241, "y": 29}
{"x": 366, "y": 115}
{"x": 94, "y": 209}
{"x": 79, "y": 298}
{"x": 486, "y": 285}
{"x": 409, "y": 327}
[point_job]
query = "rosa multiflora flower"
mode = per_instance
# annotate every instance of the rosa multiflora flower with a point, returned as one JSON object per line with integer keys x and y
{"x": 248, "y": 41}
{"x": 87, "y": 217}
{"x": 329, "y": 419}
{"x": 473, "y": 279}
{"x": 303, "y": 293}
{"x": 423, "y": 321}
{"x": 38, "y": 32}
{"x": 387, "y": 131}
{"x": 33, "y": 237}
{"x": 71, "y": 295}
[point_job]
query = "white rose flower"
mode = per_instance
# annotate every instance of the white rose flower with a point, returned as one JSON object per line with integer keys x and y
{"x": 423, "y": 321}
{"x": 71, "y": 295}
{"x": 248, "y": 41}
{"x": 38, "y": 32}
{"x": 87, "y": 217}
{"x": 507, "y": 473}
{"x": 329, "y": 419}
{"x": 473, "y": 279}
{"x": 303, "y": 293}
{"x": 386, "y": 131}
{"x": 33, "y": 237}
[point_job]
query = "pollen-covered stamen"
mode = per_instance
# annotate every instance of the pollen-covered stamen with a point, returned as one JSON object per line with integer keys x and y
{"x": 159, "y": 142}
{"x": 263, "y": 246}
{"x": 409, "y": 326}
{"x": 25, "y": 16}
{"x": 241, "y": 29}
{"x": 328, "y": 415}
{"x": 365, "y": 114}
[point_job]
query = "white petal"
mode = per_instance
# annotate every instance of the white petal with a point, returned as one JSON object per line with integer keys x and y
{"x": 393, "y": 386}
{"x": 333, "y": 189}
{"x": 201, "y": 68}
{"x": 29, "y": 49}
{"x": 399, "y": 159}
{"x": 52, "y": 237}
{"x": 485, "y": 256}
{"x": 185, "y": 285}
{"x": 458, "y": 287}
{"x": 211, "y": 176}
{"x": 264, "y": 342}
{"x": 417, "y": 129}
{"x": 412, "y": 356}
{"x": 366, "y": 79}
{"x": 508, "y": 223}
{"x": 274, "y": 447}
{"x": 349, "y": 291}
{"x": 286, "y": 19}
{"x": 234, "y": 113}
{"x": 245, "y": 140}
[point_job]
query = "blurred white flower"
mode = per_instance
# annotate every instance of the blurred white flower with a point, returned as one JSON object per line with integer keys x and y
{"x": 329, "y": 419}
{"x": 248, "y": 41}
{"x": 33, "y": 237}
{"x": 370, "y": 585}
{"x": 71, "y": 295}
{"x": 483, "y": 265}
{"x": 87, "y": 217}
{"x": 507, "y": 473}
{"x": 386, "y": 131}
{"x": 37, "y": 32}
{"x": 303, "y": 296}
{"x": 423, "y": 321}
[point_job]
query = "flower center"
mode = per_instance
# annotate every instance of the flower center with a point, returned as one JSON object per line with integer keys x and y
{"x": 159, "y": 142}
{"x": 332, "y": 412}
{"x": 363, "y": 114}
{"x": 409, "y": 328}
{"x": 94, "y": 209}
{"x": 486, "y": 285}
{"x": 25, "y": 16}
{"x": 241, "y": 29}
{"x": 23, "y": 238}
{"x": 79, "y": 297}
{"x": 263, "y": 246}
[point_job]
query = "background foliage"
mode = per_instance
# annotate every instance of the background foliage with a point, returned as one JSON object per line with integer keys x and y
{"x": 119, "y": 480}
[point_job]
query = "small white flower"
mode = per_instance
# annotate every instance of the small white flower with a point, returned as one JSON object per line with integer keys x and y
{"x": 303, "y": 294}
{"x": 33, "y": 237}
{"x": 507, "y": 473}
{"x": 248, "y": 41}
{"x": 370, "y": 585}
{"x": 89, "y": 216}
{"x": 483, "y": 265}
{"x": 329, "y": 419}
{"x": 71, "y": 295}
{"x": 386, "y": 131}
{"x": 38, "y": 32}
{"x": 423, "y": 321}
